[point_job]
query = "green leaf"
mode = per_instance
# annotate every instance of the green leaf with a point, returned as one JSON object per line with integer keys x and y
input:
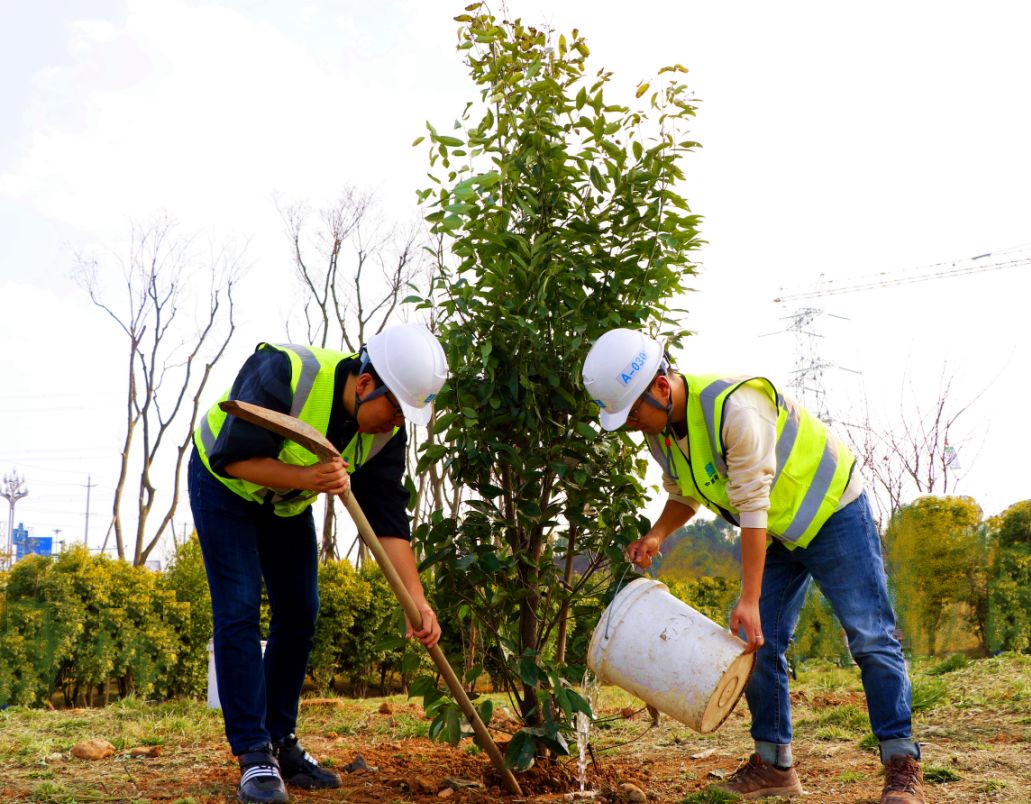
{"x": 437, "y": 726}
{"x": 390, "y": 643}
{"x": 435, "y": 452}
{"x": 417, "y": 140}
{"x": 641, "y": 90}
{"x": 521, "y": 751}
{"x": 454, "y": 726}
{"x": 528, "y": 671}
{"x": 485, "y": 710}
{"x": 444, "y": 421}
{"x": 530, "y": 509}
{"x": 585, "y": 430}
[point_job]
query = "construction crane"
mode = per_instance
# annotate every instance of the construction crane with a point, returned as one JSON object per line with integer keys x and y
{"x": 807, "y": 376}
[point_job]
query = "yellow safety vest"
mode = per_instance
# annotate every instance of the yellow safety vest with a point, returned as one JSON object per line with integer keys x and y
{"x": 813, "y": 468}
{"x": 312, "y": 381}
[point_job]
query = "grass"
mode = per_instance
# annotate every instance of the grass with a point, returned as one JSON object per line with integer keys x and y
{"x": 940, "y": 775}
{"x": 833, "y": 733}
{"x": 823, "y": 676}
{"x": 957, "y": 661}
{"x": 710, "y": 796}
{"x": 976, "y": 715}
{"x": 847, "y": 716}
{"x": 928, "y": 693}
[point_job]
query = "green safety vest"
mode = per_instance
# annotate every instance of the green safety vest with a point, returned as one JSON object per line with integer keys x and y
{"x": 813, "y": 468}
{"x": 312, "y": 381}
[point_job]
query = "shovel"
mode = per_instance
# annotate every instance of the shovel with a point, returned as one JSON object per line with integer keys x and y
{"x": 312, "y": 440}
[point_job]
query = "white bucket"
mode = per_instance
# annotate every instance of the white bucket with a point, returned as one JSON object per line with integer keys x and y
{"x": 667, "y": 654}
{"x": 213, "y": 700}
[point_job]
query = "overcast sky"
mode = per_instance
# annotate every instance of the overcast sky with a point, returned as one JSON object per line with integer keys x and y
{"x": 840, "y": 139}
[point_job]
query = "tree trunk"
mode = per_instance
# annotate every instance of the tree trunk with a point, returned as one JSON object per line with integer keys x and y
{"x": 567, "y": 578}
{"x": 470, "y": 655}
{"x": 329, "y": 546}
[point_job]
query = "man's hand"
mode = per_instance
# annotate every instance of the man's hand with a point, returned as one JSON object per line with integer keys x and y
{"x": 429, "y": 634}
{"x": 745, "y": 619}
{"x": 642, "y": 551}
{"x": 330, "y": 477}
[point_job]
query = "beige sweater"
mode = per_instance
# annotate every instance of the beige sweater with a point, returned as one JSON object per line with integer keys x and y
{"x": 750, "y": 436}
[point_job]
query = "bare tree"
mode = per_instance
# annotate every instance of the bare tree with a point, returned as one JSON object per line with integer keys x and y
{"x": 169, "y": 357}
{"x": 353, "y": 270}
{"x": 916, "y": 453}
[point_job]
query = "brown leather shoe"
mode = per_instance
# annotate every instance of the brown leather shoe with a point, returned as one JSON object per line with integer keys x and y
{"x": 756, "y": 779}
{"x": 903, "y": 781}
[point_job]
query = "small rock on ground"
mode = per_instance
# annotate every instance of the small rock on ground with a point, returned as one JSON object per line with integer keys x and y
{"x": 93, "y": 749}
{"x": 627, "y": 792}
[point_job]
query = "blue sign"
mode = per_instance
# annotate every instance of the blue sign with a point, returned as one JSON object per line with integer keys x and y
{"x": 25, "y": 545}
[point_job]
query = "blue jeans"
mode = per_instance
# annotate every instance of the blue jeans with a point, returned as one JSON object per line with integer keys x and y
{"x": 845, "y": 561}
{"x": 244, "y": 542}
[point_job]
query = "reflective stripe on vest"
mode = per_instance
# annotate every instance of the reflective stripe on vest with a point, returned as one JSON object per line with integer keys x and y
{"x": 312, "y": 381}
{"x": 810, "y": 477}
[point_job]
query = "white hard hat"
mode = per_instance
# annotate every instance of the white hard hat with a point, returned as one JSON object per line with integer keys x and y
{"x": 410, "y": 361}
{"x": 619, "y": 368}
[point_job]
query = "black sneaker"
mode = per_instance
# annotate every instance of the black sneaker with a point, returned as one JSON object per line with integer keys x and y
{"x": 299, "y": 768}
{"x": 260, "y": 780}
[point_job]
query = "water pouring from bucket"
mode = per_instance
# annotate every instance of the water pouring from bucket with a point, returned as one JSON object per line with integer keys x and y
{"x": 589, "y": 690}
{"x": 654, "y": 645}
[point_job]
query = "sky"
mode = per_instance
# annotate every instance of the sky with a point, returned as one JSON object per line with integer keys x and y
{"x": 840, "y": 140}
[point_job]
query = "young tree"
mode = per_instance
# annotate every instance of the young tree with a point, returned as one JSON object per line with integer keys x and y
{"x": 563, "y": 216}
{"x": 1010, "y": 579}
{"x": 917, "y": 452}
{"x": 170, "y": 353}
{"x": 938, "y": 560}
{"x": 353, "y": 269}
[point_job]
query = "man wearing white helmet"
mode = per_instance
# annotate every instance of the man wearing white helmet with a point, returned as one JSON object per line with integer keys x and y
{"x": 759, "y": 460}
{"x": 251, "y": 494}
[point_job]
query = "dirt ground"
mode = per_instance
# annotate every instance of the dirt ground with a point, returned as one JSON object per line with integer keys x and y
{"x": 976, "y": 740}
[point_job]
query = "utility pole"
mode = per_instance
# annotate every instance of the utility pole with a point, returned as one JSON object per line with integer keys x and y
{"x": 13, "y": 490}
{"x": 89, "y": 484}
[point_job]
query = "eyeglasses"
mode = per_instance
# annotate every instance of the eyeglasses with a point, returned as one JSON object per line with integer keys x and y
{"x": 395, "y": 404}
{"x": 384, "y": 391}
{"x": 634, "y": 413}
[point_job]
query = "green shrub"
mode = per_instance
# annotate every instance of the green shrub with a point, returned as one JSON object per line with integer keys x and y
{"x": 818, "y": 634}
{"x": 342, "y": 595}
{"x": 186, "y": 579}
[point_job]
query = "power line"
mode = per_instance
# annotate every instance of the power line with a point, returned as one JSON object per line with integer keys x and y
{"x": 942, "y": 270}
{"x": 810, "y": 367}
